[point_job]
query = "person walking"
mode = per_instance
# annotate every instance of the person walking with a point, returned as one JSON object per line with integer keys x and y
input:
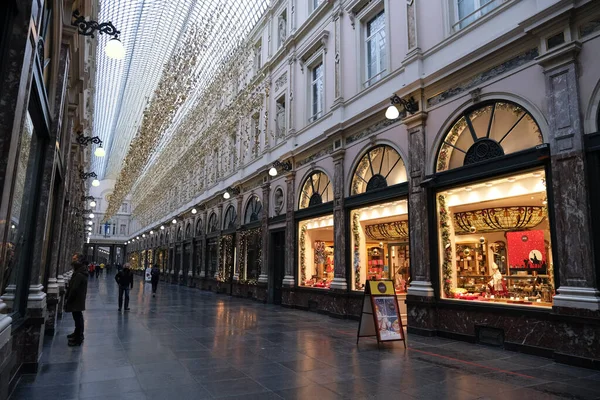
{"x": 92, "y": 268}
{"x": 124, "y": 279}
{"x": 75, "y": 297}
{"x": 99, "y": 269}
{"x": 155, "y": 276}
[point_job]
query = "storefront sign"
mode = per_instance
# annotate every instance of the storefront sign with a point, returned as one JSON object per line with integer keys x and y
{"x": 380, "y": 316}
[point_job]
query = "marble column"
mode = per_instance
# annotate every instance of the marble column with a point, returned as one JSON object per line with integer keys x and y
{"x": 290, "y": 231}
{"x": 220, "y": 225}
{"x": 572, "y": 223}
{"x": 418, "y": 221}
{"x": 203, "y": 245}
{"x": 264, "y": 230}
{"x": 192, "y": 263}
{"x": 339, "y": 226}
{"x": 238, "y": 241}
{"x": 337, "y": 22}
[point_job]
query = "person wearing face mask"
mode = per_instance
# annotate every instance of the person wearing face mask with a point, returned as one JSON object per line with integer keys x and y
{"x": 75, "y": 297}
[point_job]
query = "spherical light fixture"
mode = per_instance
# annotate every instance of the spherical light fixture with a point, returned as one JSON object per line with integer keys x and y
{"x": 92, "y": 203}
{"x": 90, "y": 223}
{"x": 96, "y": 182}
{"x": 174, "y": 221}
{"x": 273, "y": 171}
{"x": 114, "y": 49}
{"x": 13, "y": 227}
{"x": 152, "y": 232}
{"x": 194, "y": 211}
{"x": 144, "y": 235}
{"x": 92, "y": 215}
{"x": 392, "y": 112}
{"x": 99, "y": 152}
{"x": 162, "y": 227}
{"x": 138, "y": 238}
{"x": 226, "y": 195}
{"x": 89, "y": 228}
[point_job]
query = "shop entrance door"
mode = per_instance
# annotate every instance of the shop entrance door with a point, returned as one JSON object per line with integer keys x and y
{"x": 277, "y": 267}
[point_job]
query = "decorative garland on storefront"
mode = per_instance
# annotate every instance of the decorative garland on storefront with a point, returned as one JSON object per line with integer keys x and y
{"x": 244, "y": 235}
{"x": 302, "y": 254}
{"x": 356, "y": 234}
{"x": 446, "y": 245}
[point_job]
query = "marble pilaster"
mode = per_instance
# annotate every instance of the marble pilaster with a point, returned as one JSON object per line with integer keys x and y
{"x": 264, "y": 268}
{"x": 572, "y": 219}
{"x": 290, "y": 231}
{"x": 417, "y": 212}
{"x": 339, "y": 227}
{"x": 238, "y": 241}
{"x": 337, "y": 21}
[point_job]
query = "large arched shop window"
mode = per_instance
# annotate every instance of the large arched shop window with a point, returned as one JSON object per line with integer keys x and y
{"x": 494, "y": 236}
{"x": 254, "y": 210}
{"x": 492, "y": 130}
{"x": 380, "y": 167}
{"x": 317, "y": 189}
{"x": 230, "y": 216}
{"x": 213, "y": 223}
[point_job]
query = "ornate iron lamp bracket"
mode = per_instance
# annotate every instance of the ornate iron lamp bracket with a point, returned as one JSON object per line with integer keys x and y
{"x": 85, "y": 140}
{"x": 87, "y": 28}
{"x": 409, "y": 105}
{"x": 86, "y": 175}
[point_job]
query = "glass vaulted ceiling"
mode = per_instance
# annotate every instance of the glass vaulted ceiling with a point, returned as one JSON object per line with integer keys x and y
{"x": 150, "y": 31}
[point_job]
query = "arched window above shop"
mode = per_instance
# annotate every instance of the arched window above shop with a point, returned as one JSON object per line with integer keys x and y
{"x": 179, "y": 234}
{"x": 230, "y": 217}
{"x": 491, "y": 130}
{"x": 188, "y": 231}
{"x": 199, "y": 227}
{"x": 254, "y": 210}
{"x": 213, "y": 223}
{"x": 380, "y": 167}
{"x": 317, "y": 189}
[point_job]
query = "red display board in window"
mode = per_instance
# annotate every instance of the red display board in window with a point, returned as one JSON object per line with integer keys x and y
{"x": 527, "y": 251}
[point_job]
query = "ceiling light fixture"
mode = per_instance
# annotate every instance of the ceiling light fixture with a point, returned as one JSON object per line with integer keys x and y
{"x": 162, "y": 227}
{"x": 174, "y": 221}
{"x": 99, "y": 152}
{"x": 96, "y": 183}
{"x": 91, "y": 215}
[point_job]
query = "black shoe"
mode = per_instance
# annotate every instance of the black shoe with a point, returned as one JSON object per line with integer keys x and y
{"x": 75, "y": 342}
{"x": 71, "y": 336}
{"x": 119, "y": 309}
{"x": 127, "y": 309}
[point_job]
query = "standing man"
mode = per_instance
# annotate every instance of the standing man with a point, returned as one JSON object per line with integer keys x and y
{"x": 124, "y": 279}
{"x": 75, "y": 297}
{"x": 155, "y": 276}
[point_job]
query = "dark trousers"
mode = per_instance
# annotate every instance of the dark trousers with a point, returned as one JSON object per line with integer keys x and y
{"x": 78, "y": 318}
{"x": 154, "y": 286}
{"x": 123, "y": 290}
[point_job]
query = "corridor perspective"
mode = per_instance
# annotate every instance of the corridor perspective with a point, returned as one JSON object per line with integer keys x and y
{"x": 336, "y": 198}
{"x": 187, "y": 344}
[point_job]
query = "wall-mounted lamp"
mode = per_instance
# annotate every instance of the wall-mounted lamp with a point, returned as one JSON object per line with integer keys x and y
{"x": 114, "y": 48}
{"x": 194, "y": 211}
{"x": 230, "y": 191}
{"x": 409, "y": 106}
{"x": 285, "y": 166}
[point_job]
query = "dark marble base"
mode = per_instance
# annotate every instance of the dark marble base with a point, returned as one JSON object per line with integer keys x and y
{"x": 572, "y": 338}
{"x": 340, "y": 304}
{"x": 256, "y": 292}
{"x": 61, "y": 304}
{"x": 52, "y": 301}
{"x": 7, "y": 366}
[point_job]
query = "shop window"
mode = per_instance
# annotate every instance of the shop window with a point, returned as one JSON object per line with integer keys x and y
{"x": 230, "y": 218}
{"x": 227, "y": 259}
{"x": 380, "y": 245}
{"x": 317, "y": 189}
{"x": 11, "y": 267}
{"x": 381, "y": 167}
{"x": 376, "y": 57}
{"x": 317, "y": 91}
{"x": 494, "y": 241}
{"x": 315, "y": 252}
{"x": 213, "y": 223}
{"x": 490, "y": 131}
{"x": 254, "y": 210}
{"x": 212, "y": 256}
{"x": 250, "y": 263}
{"x": 199, "y": 228}
{"x": 468, "y": 11}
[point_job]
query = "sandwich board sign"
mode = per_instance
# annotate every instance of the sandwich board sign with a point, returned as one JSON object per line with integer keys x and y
{"x": 380, "y": 315}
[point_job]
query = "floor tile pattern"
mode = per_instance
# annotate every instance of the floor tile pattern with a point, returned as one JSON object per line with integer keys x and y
{"x": 190, "y": 344}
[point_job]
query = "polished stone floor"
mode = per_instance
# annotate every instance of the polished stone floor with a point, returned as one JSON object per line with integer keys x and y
{"x": 189, "y": 344}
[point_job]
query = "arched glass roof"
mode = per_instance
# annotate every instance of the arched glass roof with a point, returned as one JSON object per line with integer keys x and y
{"x": 151, "y": 31}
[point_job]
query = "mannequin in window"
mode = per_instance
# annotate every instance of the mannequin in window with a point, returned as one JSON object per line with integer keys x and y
{"x": 495, "y": 283}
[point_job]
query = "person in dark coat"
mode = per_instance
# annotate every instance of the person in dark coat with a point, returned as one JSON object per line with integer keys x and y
{"x": 155, "y": 276}
{"x": 75, "y": 297}
{"x": 124, "y": 279}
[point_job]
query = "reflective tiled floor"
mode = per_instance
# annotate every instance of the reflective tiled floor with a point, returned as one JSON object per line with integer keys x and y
{"x": 190, "y": 344}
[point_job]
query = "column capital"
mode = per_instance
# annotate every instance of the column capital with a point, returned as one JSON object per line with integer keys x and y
{"x": 338, "y": 155}
{"x": 415, "y": 120}
{"x": 559, "y": 56}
